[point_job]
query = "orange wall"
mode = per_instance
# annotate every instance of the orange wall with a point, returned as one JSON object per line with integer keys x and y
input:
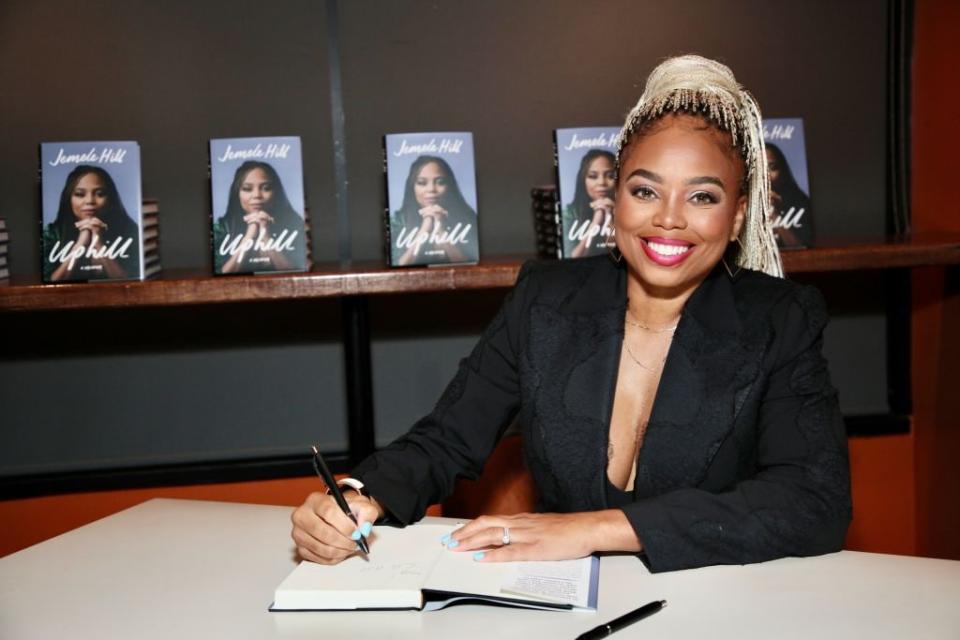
{"x": 881, "y": 471}
{"x": 936, "y": 303}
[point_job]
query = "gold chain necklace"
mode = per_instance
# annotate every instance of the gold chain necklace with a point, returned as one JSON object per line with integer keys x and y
{"x": 637, "y": 360}
{"x": 640, "y": 325}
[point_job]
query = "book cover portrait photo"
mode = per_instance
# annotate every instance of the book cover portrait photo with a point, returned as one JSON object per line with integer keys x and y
{"x": 431, "y": 199}
{"x": 789, "y": 182}
{"x": 258, "y": 205}
{"x": 91, "y": 211}
{"x": 586, "y": 175}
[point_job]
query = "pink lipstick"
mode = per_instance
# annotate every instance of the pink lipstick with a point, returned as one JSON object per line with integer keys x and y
{"x": 666, "y": 252}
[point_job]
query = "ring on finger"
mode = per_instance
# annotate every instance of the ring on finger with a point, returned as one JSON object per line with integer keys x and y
{"x": 506, "y": 536}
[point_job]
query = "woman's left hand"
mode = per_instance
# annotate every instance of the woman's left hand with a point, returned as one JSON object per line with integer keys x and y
{"x": 546, "y": 536}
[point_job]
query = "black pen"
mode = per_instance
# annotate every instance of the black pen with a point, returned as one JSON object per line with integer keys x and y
{"x": 321, "y": 468}
{"x": 623, "y": 621}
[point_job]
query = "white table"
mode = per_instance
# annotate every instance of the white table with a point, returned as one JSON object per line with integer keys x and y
{"x": 189, "y": 569}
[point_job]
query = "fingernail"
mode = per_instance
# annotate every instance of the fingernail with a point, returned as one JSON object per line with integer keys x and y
{"x": 366, "y": 528}
{"x": 453, "y": 543}
{"x": 445, "y": 539}
{"x": 355, "y": 535}
{"x": 479, "y": 555}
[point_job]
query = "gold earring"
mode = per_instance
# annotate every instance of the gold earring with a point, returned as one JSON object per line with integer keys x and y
{"x": 733, "y": 274}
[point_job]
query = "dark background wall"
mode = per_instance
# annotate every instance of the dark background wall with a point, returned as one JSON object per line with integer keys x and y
{"x": 98, "y": 389}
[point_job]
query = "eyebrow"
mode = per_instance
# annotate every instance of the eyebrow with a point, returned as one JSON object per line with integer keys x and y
{"x": 649, "y": 175}
{"x": 656, "y": 177}
{"x": 705, "y": 180}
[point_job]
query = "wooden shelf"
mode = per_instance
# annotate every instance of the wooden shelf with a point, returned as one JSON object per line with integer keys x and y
{"x": 185, "y": 287}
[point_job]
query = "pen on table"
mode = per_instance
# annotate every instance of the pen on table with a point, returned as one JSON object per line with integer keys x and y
{"x": 321, "y": 468}
{"x": 623, "y": 621}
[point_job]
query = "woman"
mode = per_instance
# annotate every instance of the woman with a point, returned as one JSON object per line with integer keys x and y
{"x": 673, "y": 401}
{"x": 789, "y": 204}
{"x": 586, "y": 220}
{"x": 92, "y": 236}
{"x": 260, "y": 230}
{"x": 434, "y": 224}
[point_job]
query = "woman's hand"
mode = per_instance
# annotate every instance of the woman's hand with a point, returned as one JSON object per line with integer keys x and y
{"x": 94, "y": 227}
{"x": 324, "y": 534}
{"x": 261, "y": 219}
{"x": 434, "y": 213}
{"x": 602, "y": 210}
{"x": 546, "y": 536}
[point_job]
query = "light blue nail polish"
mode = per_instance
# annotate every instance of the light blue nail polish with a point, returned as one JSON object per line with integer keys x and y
{"x": 479, "y": 555}
{"x": 453, "y": 544}
{"x": 445, "y": 539}
{"x": 355, "y": 535}
{"x": 366, "y": 529}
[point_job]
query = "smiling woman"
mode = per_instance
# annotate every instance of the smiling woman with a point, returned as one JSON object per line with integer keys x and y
{"x": 673, "y": 398}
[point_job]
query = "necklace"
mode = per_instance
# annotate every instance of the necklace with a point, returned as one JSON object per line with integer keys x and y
{"x": 640, "y": 325}
{"x": 637, "y": 360}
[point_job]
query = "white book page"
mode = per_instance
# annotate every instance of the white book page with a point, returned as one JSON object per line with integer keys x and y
{"x": 390, "y": 577}
{"x": 561, "y": 582}
{"x": 566, "y": 582}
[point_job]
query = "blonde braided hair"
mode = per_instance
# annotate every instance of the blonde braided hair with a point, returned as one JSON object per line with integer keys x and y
{"x": 706, "y": 88}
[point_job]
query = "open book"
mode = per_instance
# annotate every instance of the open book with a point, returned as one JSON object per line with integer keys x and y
{"x": 410, "y": 569}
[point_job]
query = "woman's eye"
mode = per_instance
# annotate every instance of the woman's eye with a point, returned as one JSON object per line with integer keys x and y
{"x": 702, "y": 197}
{"x": 441, "y": 182}
{"x": 644, "y": 193}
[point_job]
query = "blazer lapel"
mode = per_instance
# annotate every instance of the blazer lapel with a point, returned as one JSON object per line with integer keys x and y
{"x": 709, "y": 370}
{"x": 579, "y": 353}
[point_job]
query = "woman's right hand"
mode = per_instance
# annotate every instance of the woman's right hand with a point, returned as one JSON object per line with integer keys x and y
{"x": 602, "y": 207}
{"x": 257, "y": 221}
{"x": 433, "y": 216}
{"x": 324, "y": 534}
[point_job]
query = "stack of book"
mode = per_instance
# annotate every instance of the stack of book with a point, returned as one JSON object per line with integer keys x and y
{"x": 4, "y": 242}
{"x": 151, "y": 238}
{"x": 308, "y": 237}
{"x": 546, "y": 221}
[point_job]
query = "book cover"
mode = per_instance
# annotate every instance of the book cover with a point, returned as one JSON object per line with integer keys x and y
{"x": 258, "y": 205}
{"x": 431, "y": 212}
{"x": 586, "y": 172}
{"x": 789, "y": 182}
{"x": 91, "y": 217}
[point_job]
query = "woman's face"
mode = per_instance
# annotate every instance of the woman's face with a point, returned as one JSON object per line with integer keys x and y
{"x": 773, "y": 167}
{"x": 256, "y": 190}
{"x": 678, "y": 203}
{"x": 430, "y": 184}
{"x": 89, "y": 196}
{"x": 599, "y": 178}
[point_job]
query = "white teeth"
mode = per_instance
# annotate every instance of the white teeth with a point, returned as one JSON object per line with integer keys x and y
{"x": 668, "y": 249}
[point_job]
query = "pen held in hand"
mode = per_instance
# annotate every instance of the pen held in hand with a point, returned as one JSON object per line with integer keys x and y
{"x": 324, "y": 472}
{"x": 623, "y": 621}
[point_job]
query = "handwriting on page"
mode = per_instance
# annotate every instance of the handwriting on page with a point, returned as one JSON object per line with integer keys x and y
{"x": 389, "y": 571}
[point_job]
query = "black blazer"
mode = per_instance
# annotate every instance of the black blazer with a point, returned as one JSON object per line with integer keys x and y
{"x": 745, "y": 454}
